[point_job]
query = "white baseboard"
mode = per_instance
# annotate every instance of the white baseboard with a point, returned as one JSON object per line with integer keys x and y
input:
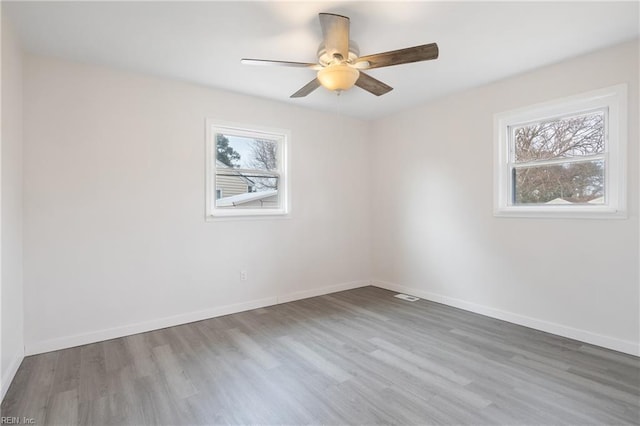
{"x": 626, "y": 346}
{"x": 10, "y": 373}
{"x": 32, "y": 348}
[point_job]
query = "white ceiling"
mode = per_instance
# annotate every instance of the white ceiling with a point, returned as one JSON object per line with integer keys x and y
{"x": 203, "y": 42}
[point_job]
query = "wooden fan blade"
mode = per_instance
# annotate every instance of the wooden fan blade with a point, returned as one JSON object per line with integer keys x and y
{"x": 424, "y": 52}
{"x": 279, "y": 63}
{"x": 335, "y": 31}
{"x": 372, "y": 85}
{"x": 306, "y": 89}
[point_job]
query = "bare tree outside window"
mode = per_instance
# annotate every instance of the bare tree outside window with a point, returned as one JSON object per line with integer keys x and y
{"x": 264, "y": 157}
{"x": 560, "y": 160}
{"x": 568, "y": 137}
{"x": 264, "y": 154}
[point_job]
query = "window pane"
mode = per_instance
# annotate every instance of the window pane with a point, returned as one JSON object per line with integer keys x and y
{"x": 247, "y": 190}
{"x": 246, "y": 153}
{"x": 567, "y": 183}
{"x": 560, "y": 138}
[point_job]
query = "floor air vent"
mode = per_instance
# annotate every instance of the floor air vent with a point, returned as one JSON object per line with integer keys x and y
{"x": 406, "y": 297}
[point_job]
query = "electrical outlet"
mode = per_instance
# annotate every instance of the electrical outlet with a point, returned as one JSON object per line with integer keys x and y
{"x": 243, "y": 275}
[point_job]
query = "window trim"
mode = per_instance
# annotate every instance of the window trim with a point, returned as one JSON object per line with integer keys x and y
{"x": 614, "y": 100}
{"x": 282, "y": 136}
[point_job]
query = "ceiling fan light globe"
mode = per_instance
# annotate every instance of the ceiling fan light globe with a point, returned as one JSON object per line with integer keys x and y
{"x": 338, "y": 77}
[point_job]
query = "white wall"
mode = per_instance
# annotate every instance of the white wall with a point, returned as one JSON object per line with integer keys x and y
{"x": 435, "y": 235}
{"x": 12, "y": 344}
{"x": 115, "y": 239}
{"x": 115, "y": 236}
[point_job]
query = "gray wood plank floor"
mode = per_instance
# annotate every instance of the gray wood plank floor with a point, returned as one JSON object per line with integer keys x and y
{"x": 355, "y": 357}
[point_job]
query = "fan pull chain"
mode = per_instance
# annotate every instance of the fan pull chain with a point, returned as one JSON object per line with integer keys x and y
{"x": 340, "y": 117}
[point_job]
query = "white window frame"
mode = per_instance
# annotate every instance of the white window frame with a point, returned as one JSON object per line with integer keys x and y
{"x": 611, "y": 99}
{"x": 281, "y": 136}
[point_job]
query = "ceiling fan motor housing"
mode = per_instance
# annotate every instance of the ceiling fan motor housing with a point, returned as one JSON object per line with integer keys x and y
{"x": 326, "y": 58}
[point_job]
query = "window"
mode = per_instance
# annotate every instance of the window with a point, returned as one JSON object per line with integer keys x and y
{"x": 564, "y": 158}
{"x": 246, "y": 171}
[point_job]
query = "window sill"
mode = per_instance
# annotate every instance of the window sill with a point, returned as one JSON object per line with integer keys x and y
{"x": 557, "y": 212}
{"x": 233, "y": 216}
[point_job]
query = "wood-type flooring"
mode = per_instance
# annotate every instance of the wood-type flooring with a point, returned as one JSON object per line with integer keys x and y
{"x": 354, "y": 357}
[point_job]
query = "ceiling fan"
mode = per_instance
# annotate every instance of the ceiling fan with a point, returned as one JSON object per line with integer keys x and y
{"x": 339, "y": 66}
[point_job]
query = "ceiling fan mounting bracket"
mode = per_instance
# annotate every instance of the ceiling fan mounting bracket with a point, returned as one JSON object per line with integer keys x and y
{"x": 325, "y": 58}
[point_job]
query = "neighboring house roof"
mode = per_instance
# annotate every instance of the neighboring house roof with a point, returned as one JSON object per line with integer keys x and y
{"x": 598, "y": 200}
{"x": 558, "y": 201}
{"x": 221, "y": 165}
{"x": 245, "y": 198}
